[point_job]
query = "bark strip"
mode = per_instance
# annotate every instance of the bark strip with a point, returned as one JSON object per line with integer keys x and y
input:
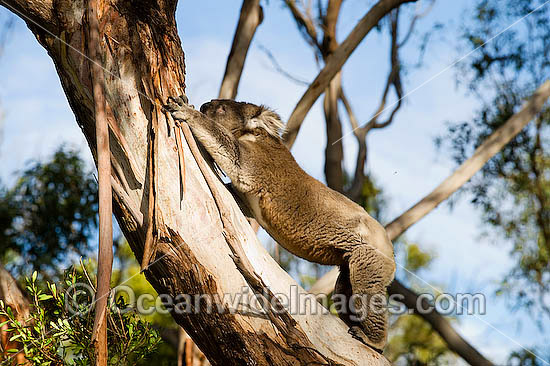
{"x": 105, "y": 254}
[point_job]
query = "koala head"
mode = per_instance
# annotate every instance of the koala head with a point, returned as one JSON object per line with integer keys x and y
{"x": 240, "y": 117}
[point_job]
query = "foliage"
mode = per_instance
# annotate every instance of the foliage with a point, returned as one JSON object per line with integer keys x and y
{"x": 372, "y": 198}
{"x": 412, "y": 340}
{"x": 416, "y": 259}
{"x": 50, "y": 212}
{"x": 513, "y": 189}
{"x": 129, "y": 274}
{"x": 526, "y": 357}
{"x": 56, "y": 336}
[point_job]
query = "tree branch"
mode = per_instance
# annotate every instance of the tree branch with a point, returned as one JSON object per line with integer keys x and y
{"x": 394, "y": 78}
{"x": 361, "y": 132}
{"x": 335, "y": 63}
{"x": 454, "y": 341}
{"x": 143, "y": 57}
{"x": 491, "y": 146}
{"x": 280, "y": 69}
{"x": 38, "y": 12}
{"x": 415, "y": 19}
{"x": 249, "y": 20}
{"x": 305, "y": 24}
{"x": 354, "y": 192}
{"x": 334, "y": 150}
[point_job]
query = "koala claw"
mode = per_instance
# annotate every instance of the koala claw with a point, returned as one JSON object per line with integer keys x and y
{"x": 181, "y": 100}
{"x": 358, "y": 334}
{"x": 179, "y": 107}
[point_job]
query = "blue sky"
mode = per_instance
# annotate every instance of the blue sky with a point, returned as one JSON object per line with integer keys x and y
{"x": 402, "y": 158}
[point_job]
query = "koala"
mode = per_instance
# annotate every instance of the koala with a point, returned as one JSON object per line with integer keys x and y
{"x": 303, "y": 215}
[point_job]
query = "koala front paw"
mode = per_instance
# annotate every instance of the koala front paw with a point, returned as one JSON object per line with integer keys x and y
{"x": 178, "y": 108}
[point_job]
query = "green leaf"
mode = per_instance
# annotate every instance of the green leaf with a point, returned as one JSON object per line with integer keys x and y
{"x": 43, "y": 297}
{"x": 17, "y": 336}
{"x": 34, "y": 275}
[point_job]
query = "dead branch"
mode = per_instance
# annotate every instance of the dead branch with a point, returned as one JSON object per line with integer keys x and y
{"x": 335, "y": 62}
{"x": 394, "y": 79}
{"x": 361, "y": 132}
{"x": 415, "y": 19}
{"x": 249, "y": 20}
{"x": 279, "y": 68}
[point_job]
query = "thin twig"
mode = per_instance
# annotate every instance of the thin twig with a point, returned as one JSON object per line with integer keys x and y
{"x": 280, "y": 69}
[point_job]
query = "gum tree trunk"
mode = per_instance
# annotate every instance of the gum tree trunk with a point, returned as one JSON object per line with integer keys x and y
{"x": 143, "y": 61}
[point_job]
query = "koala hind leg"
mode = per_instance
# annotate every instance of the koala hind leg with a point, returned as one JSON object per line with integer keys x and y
{"x": 370, "y": 272}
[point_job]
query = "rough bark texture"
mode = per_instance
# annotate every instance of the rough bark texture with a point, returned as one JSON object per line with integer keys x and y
{"x": 142, "y": 55}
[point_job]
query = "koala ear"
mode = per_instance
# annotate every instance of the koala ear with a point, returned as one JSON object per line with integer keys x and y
{"x": 268, "y": 120}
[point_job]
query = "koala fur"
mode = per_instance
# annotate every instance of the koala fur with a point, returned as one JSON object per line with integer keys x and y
{"x": 307, "y": 218}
